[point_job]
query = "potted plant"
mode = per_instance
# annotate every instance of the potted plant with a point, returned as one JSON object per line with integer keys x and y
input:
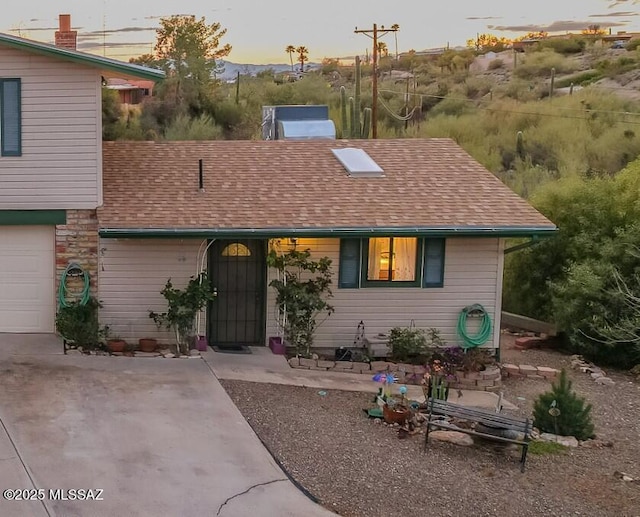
{"x": 115, "y": 343}
{"x": 183, "y": 305}
{"x": 302, "y": 288}
{"x": 147, "y": 344}
{"x": 394, "y": 411}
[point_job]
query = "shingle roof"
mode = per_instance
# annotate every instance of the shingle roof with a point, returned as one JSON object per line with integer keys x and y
{"x": 428, "y": 184}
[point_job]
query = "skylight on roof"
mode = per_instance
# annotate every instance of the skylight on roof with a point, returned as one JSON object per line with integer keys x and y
{"x": 358, "y": 163}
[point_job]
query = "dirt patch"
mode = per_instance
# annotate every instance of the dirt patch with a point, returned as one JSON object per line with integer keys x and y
{"x": 358, "y": 468}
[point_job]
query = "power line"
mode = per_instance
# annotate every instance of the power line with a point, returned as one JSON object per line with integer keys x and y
{"x": 584, "y": 110}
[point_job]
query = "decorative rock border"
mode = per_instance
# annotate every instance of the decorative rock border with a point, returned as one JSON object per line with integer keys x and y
{"x": 162, "y": 353}
{"x": 597, "y": 374}
{"x": 486, "y": 380}
{"x": 528, "y": 371}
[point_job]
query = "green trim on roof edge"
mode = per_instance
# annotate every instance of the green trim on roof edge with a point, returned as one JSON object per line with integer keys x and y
{"x": 32, "y": 217}
{"x": 264, "y": 233}
{"x": 104, "y": 63}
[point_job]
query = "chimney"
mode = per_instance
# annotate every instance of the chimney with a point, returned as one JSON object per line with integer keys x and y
{"x": 65, "y": 37}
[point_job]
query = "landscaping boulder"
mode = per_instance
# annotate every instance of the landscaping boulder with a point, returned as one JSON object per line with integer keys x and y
{"x": 452, "y": 437}
{"x": 567, "y": 441}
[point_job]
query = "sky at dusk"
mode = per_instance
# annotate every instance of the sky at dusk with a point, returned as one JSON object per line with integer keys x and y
{"x": 259, "y": 31}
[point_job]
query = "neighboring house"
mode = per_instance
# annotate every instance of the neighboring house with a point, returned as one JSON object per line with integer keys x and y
{"x": 50, "y": 169}
{"x": 417, "y": 242}
{"x": 131, "y": 92}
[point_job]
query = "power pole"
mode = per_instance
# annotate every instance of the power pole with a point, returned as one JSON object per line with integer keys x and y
{"x": 374, "y": 34}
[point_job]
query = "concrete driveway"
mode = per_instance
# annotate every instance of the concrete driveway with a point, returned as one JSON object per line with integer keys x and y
{"x": 157, "y": 437}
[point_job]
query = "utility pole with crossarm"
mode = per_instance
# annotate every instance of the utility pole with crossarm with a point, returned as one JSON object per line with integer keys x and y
{"x": 374, "y": 34}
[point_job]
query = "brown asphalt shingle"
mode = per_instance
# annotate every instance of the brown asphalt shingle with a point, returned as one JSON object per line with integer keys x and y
{"x": 300, "y": 184}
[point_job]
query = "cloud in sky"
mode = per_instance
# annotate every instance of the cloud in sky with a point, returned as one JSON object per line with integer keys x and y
{"x": 557, "y": 26}
{"x": 617, "y": 13}
{"x": 91, "y": 34}
{"x": 483, "y": 18}
{"x": 616, "y": 3}
{"x": 88, "y": 46}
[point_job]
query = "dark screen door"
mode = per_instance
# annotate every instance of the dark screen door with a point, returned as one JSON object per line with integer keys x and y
{"x": 237, "y": 269}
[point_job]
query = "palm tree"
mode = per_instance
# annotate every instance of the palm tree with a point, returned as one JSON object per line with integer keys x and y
{"x": 290, "y": 50}
{"x": 303, "y": 53}
{"x": 382, "y": 49}
{"x": 395, "y": 27}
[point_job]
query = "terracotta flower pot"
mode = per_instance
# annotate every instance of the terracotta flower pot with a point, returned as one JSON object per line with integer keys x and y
{"x": 147, "y": 344}
{"x": 395, "y": 415}
{"x": 116, "y": 345}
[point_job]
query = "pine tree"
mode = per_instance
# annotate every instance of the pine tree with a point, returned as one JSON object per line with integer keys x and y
{"x": 573, "y": 415}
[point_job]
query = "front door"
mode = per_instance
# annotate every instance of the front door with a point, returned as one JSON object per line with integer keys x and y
{"x": 237, "y": 269}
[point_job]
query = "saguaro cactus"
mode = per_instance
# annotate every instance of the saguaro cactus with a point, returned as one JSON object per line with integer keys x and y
{"x": 352, "y": 125}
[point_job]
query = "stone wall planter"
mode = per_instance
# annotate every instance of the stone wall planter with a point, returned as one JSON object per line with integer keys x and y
{"x": 486, "y": 380}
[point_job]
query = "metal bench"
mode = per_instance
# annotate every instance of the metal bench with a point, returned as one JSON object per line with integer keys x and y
{"x": 497, "y": 421}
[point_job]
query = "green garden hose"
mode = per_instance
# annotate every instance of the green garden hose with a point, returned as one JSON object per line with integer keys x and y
{"x": 83, "y": 296}
{"x": 485, "y": 326}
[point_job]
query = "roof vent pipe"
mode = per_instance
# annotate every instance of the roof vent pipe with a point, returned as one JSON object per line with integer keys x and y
{"x": 200, "y": 176}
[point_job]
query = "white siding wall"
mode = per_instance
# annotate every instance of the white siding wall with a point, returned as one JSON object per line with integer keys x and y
{"x": 131, "y": 274}
{"x": 472, "y": 274}
{"x": 61, "y": 135}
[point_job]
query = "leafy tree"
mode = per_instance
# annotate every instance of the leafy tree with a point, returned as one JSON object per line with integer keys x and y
{"x": 572, "y": 414}
{"x": 533, "y": 35}
{"x": 585, "y": 278}
{"x": 111, "y": 111}
{"x": 187, "y": 49}
{"x": 594, "y": 30}
{"x": 487, "y": 42}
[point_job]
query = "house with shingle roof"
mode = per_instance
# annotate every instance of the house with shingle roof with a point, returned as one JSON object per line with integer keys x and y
{"x": 416, "y": 237}
{"x": 50, "y": 169}
{"x": 415, "y": 228}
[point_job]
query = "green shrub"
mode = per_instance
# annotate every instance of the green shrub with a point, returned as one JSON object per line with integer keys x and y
{"x": 79, "y": 324}
{"x": 563, "y": 46}
{"x": 633, "y": 44}
{"x": 541, "y": 448}
{"x": 539, "y": 64}
{"x": 452, "y": 106}
{"x": 573, "y": 414}
{"x": 407, "y": 343}
{"x": 187, "y": 128}
{"x": 496, "y": 64}
{"x": 580, "y": 79}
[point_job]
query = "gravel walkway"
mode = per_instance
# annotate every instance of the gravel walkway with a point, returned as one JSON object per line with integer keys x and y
{"x": 358, "y": 468}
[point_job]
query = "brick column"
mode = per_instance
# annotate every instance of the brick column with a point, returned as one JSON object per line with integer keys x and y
{"x": 77, "y": 241}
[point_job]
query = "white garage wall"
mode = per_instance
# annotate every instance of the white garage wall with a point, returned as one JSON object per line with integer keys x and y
{"x": 27, "y": 283}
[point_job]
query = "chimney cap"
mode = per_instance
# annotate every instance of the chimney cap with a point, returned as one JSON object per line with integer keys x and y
{"x": 65, "y": 22}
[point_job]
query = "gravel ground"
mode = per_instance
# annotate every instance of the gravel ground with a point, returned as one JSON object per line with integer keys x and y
{"x": 356, "y": 467}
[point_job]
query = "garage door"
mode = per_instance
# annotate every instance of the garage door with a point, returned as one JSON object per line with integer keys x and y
{"x": 27, "y": 278}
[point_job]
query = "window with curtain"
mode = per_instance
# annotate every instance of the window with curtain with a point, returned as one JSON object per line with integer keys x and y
{"x": 10, "y": 118}
{"x": 392, "y": 259}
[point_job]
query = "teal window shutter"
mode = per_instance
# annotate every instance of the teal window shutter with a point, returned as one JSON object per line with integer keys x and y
{"x": 349, "y": 272}
{"x": 433, "y": 263}
{"x": 10, "y": 118}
